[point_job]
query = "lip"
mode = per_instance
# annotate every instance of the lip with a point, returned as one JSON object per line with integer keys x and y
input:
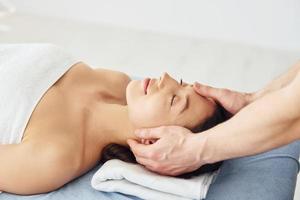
{"x": 145, "y": 84}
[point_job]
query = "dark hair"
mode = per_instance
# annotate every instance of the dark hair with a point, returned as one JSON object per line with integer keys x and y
{"x": 116, "y": 151}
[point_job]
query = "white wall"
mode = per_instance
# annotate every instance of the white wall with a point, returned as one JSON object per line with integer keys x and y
{"x": 270, "y": 23}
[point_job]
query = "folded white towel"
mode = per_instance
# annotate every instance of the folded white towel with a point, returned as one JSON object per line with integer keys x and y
{"x": 134, "y": 179}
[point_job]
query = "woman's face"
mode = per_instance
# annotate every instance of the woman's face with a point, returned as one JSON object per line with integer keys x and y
{"x": 165, "y": 101}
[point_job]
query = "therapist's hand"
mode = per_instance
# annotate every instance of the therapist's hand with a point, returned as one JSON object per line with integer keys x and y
{"x": 173, "y": 150}
{"x": 230, "y": 100}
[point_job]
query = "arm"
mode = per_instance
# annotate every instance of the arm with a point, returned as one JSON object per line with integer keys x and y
{"x": 267, "y": 123}
{"x": 30, "y": 169}
{"x": 270, "y": 122}
{"x": 278, "y": 83}
{"x": 234, "y": 101}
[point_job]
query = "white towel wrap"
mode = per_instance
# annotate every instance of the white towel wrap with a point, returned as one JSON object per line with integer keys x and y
{"x": 27, "y": 71}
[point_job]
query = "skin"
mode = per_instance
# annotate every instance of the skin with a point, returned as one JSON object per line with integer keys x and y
{"x": 80, "y": 114}
{"x": 263, "y": 120}
{"x": 156, "y": 107}
{"x": 61, "y": 137}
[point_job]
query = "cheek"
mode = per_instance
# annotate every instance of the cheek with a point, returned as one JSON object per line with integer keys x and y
{"x": 199, "y": 112}
{"x": 146, "y": 112}
{"x": 190, "y": 119}
{"x": 133, "y": 91}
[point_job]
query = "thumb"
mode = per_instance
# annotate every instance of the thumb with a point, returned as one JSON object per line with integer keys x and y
{"x": 207, "y": 91}
{"x": 149, "y": 133}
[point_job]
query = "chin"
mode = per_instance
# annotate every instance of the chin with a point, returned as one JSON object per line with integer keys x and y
{"x": 132, "y": 92}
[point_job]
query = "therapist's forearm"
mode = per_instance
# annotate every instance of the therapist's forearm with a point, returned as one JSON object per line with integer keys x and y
{"x": 269, "y": 122}
{"x": 278, "y": 83}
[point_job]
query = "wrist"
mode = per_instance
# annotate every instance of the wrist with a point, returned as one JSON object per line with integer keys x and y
{"x": 203, "y": 150}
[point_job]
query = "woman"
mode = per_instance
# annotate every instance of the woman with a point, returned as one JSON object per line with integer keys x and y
{"x": 64, "y": 120}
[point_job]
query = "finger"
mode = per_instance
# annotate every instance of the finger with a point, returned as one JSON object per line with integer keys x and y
{"x": 204, "y": 90}
{"x": 208, "y": 91}
{"x": 152, "y": 141}
{"x": 150, "y": 133}
{"x": 139, "y": 150}
{"x": 148, "y": 141}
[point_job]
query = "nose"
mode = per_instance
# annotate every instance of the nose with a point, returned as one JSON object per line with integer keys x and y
{"x": 163, "y": 79}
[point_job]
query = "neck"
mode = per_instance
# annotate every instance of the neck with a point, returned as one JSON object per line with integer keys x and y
{"x": 111, "y": 124}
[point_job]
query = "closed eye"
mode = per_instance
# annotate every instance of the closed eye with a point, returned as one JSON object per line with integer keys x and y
{"x": 173, "y": 97}
{"x": 172, "y": 100}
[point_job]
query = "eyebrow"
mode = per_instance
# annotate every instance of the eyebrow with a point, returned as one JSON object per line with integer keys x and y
{"x": 186, "y": 105}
